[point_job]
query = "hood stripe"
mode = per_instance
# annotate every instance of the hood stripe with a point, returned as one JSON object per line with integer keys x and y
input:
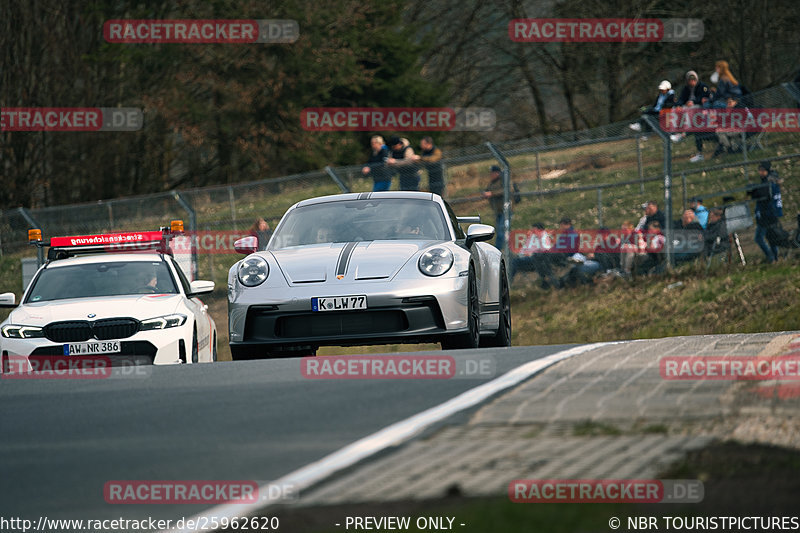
{"x": 344, "y": 258}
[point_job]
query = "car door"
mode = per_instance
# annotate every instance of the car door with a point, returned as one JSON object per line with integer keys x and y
{"x": 199, "y": 312}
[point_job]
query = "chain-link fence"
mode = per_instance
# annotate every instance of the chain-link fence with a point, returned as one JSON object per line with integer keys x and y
{"x": 596, "y": 177}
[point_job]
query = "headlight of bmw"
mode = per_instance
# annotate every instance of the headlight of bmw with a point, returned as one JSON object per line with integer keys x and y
{"x": 16, "y": 331}
{"x": 252, "y": 271}
{"x": 163, "y": 322}
{"x": 435, "y": 261}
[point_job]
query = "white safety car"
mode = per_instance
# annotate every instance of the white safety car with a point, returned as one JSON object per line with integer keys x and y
{"x": 121, "y": 296}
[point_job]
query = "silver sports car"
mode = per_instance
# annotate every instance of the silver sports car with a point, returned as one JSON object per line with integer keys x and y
{"x": 369, "y": 268}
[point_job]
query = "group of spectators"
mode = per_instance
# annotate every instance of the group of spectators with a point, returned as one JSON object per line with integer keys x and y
{"x": 396, "y": 157}
{"x": 698, "y": 233}
{"x": 728, "y": 93}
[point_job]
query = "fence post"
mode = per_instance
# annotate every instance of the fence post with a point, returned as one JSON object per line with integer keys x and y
{"x": 232, "y": 202}
{"x": 33, "y": 224}
{"x": 538, "y": 174}
{"x": 335, "y": 177}
{"x": 506, "y": 229}
{"x": 192, "y": 227}
{"x": 683, "y": 182}
{"x": 639, "y": 162}
{"x": 667, "y": 184}
{"x": 599, "y": 207}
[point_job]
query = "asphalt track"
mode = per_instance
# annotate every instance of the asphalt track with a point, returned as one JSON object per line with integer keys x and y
{"x": 62, "y": 440}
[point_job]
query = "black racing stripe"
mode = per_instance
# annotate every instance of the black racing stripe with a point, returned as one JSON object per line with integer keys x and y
{"x": 344, "y": 258}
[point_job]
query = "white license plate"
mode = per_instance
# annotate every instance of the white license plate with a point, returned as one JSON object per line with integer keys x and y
{"x": 92, "y": 348}
{"x": 339, "y": 303}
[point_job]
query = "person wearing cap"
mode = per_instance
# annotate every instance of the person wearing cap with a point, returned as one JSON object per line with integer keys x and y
{"x": 665, "y": 100}
{"x": 494, "y": 193}
{"x": 694, "y": 96}
{"x": 769, "y": 207}
{"x": 376, "y": 165}
{"x": 700, "y": 212}
{"x": 695, "y": 92}
{"x": 401, "y": 157}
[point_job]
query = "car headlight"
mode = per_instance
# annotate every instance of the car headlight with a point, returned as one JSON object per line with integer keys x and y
{"x": 15, "y": 331}
{"x": 436, "y": 261}
{"x": 253, "y": 271}
{"x": 163, "y": 322}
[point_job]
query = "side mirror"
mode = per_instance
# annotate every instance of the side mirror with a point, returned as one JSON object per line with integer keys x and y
{"x": 199, "y": 287}
{"x": 7, "y": 300}
{"x": 246, "y": 245}
{"x": 479, "y": 232}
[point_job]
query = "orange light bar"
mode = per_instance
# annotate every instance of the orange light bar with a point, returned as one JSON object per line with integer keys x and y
{"x": 34, "y": 235}
{"x": 176, "y": 226}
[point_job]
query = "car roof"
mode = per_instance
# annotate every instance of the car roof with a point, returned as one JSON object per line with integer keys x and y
{"x": 104, "y": 258}
{"x": 409, "y": 195}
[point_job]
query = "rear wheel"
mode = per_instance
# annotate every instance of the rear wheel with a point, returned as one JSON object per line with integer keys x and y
{"x": 470, "y": 338}
{"x": 503, "y": 335}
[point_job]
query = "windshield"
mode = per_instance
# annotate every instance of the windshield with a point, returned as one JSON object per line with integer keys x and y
{"x": 102, "y": 279}
{"x": 362, "y": 220}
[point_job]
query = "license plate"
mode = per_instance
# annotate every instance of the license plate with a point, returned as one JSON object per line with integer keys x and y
{"x": 92, "y": 348}
{"x": 339, "y": 303}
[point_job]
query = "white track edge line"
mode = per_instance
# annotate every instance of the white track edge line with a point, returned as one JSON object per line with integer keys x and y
{"x": 391, "y": 435}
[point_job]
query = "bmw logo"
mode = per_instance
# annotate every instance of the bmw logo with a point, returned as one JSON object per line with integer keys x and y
{"x": 91, "y": 315}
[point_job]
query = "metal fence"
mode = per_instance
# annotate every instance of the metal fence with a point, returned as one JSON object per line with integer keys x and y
{"x": 597, "y": 177}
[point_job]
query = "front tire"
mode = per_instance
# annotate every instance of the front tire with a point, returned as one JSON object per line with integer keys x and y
{"x": 503, "y": 335}
{"x": 471, "y": 338}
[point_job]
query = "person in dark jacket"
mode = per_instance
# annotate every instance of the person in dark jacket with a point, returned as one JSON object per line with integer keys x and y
{"x": 769, "y": 208}
{"x": 727, "y": 85}
{"x": 695, "y": 92}
{"x": 687, "y": 233}
{"x": 651, "y": 213}
{"x": 716, "y": 234}
{"x": 376, "y": 165}
{"x": 666, "y": 99}
{"x": 695, "y": 95}
{"x": 431, "y": 158}
{"x": 401, "y": 157}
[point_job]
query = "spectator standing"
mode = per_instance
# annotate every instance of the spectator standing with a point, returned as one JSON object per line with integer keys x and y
{"x": 261, "y": 231}
{"x": 431, "y": 157}
{"x": 495, "y": 194}
{"x": 401, "y": 157}
{"x": 769, "y": 207}
{"x": 376, "y": 165}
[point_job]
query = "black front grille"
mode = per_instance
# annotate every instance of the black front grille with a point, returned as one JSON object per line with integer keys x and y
{"x": 127, "y": 349}
{"x": 82, "y": 330}
{"x": 115, "y": 328}
{"x": 334, "y": 324}
{"x": 75, "y": 331}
